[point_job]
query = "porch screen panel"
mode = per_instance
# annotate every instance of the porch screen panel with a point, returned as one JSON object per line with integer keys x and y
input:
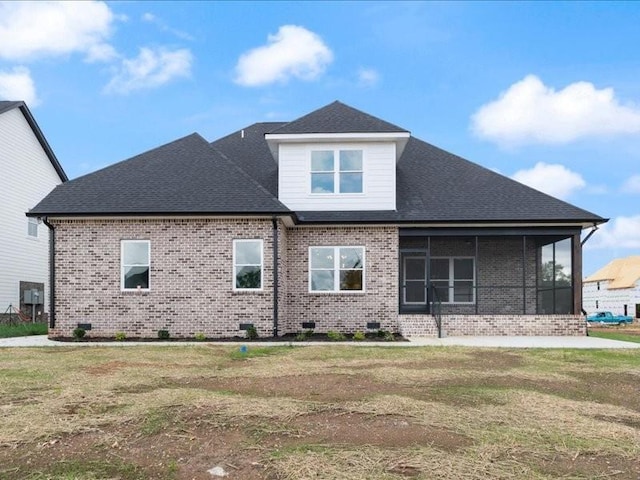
{"x": 440, "y": 278}
{"x": 463, "y": 280}
{"x": 415, "y": 268}
{"x": 555, "y": 285}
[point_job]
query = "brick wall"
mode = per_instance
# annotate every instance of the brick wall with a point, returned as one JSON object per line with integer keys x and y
{"x": 192, "y": 282}
{"x": 345, "y": 312}
{"x": 191, "y": 278}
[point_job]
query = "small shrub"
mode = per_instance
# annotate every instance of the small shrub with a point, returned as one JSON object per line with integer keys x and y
{"x": 78, "y": 333}
{"x": 252, "y": 333}
{"x": 389, "y": 336}
{"x": 163, "y": 334}
{"x": 200, "y": 337}
{"x": 359, "y": 336}
{"x": 381, "y": 333}
{"x": 335, "y": 336}
{"x": 120, "y": 336}
{"x": 304, "y": 335}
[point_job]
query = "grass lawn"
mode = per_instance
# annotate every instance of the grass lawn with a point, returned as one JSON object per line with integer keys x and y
{"x": 614, "y": 335}
{"x": 625, "y": 333}
{"x": 329, "y": 412}
{"x": 22, "y": 330}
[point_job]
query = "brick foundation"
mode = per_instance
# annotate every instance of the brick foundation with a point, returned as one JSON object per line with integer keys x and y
{"x": 494, "y": 325}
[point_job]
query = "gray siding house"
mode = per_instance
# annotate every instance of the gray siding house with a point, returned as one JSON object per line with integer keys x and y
{"x": 335, "y": 221}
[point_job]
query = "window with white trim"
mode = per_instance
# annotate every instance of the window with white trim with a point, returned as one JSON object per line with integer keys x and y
{"x": 135, "y": 260}
{"x": 32, "y": 227}
{"x": 454, "y": 279}
{"x": 247, "y": 265}
{"x": 336, "y": 269}
{"x": 336, "y": 171}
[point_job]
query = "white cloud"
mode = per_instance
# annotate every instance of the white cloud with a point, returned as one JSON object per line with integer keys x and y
{"x": 555, "y": 180}
{"x": 292, "y": 52}
{"x": 17, "y": 84}
{"x": 621, "y": 232}
{"x": 632, "y": 185}
{"x": 30, "y": 30}
{"x": 530, "y": 112}
{"x": 151, "y": 68}
{"x": 162, "y": 26}
{"x": 368, "y": 77}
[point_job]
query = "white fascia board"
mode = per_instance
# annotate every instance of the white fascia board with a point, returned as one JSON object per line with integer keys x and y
{"x": 400, "y": 139}
{"x": 332, "y": 137}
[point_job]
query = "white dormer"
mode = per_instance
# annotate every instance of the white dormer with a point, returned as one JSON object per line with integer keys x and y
{"x": 320, "y": 170}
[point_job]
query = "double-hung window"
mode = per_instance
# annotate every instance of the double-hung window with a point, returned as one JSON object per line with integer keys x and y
{"x": 247, "y": 264}
{"x": 336, "y": 171}
{"x": 135, "y": 259}
{"x": 453, "y": 279}
{"x": 336, "y": 269}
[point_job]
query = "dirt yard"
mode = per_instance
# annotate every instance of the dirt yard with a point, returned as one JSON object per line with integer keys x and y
{"x": 330, "y": 412}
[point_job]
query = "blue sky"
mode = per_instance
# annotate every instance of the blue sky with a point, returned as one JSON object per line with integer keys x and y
{"x": 547, "y": 93}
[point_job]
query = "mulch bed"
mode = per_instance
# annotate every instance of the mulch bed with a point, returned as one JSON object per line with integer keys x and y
{"x": 288, "y": 338}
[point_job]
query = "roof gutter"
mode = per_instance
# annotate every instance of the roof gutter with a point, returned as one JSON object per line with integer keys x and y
{"x": 52, "y": 273}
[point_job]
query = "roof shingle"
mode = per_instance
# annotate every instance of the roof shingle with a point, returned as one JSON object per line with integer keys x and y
{"x": 338, "y": 118}
{"x": 238, "y": 174}
{"x": 186, "y": 176}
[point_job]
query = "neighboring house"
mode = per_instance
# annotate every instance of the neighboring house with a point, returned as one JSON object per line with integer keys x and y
{"x": 29, "y": 170}
{"x": 335, "y": 221}
{"x": 614, "y": 288}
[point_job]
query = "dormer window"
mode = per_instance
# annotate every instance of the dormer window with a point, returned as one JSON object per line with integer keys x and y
{"x": 336, "y": 171}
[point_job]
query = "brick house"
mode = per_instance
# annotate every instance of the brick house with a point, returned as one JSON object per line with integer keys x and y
{"x": 335, "y": 221}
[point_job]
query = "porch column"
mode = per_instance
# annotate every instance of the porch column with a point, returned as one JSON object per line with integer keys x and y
{"x": 576, "y": 261}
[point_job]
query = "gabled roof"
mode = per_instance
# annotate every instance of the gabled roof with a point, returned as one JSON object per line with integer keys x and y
{"x": 186, "y": 176}
{"x": 338, "y": 118}
{"x": 5, "y": 106}
{"x": 621, "y": 273}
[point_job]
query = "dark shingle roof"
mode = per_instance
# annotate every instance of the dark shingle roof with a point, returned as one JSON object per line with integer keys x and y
{"x": 5, "y": 106}
{"x": 250, "y": 152}
{"x": 436, "y": 185}
{"x": 238, "y": 174}
{"x": 338, "y": 118}
{"x": 186, "y": 176}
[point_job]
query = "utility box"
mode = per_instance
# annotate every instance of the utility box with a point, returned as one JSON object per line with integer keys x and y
{"x": 34, "y": 297}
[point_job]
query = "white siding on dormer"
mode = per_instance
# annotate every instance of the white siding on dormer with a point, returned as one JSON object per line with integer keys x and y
{"x": 379, "y": 178}
{"x": 27, "y": 177}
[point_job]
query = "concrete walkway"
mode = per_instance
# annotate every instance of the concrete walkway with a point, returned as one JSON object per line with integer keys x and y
{"x": 490, "y": 342}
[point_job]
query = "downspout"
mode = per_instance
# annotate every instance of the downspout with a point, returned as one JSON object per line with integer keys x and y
{"x": 52, "y": 273}
{"x": 274, "y": 221}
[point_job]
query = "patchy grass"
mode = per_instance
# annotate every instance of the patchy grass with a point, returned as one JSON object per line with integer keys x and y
{"x": 318, "y": 412}
{"x": 22, "y": 330}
